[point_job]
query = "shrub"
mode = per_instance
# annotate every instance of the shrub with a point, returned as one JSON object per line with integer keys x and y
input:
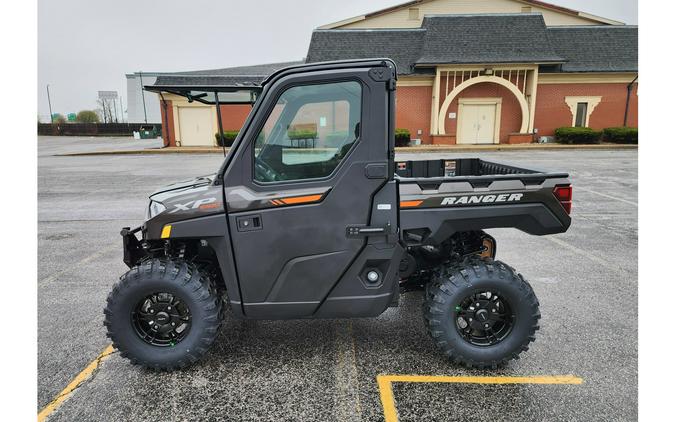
{"x": 620, "y": 135}
{"x": 227, "y": 139}
{"x": 87, "y": 116}
{"x": 577, "y": 135}
{"x": 402, "y": 137}
{"x": 302, "y": 134}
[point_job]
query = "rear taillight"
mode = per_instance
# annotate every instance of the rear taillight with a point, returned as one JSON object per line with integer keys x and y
{"x": 564, "y": 196}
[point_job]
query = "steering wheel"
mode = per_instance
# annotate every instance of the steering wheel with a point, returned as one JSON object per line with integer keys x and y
{"x": 266, "y": 172}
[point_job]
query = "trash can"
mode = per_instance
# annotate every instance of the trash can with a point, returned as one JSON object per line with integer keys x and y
{"x": 148, "y": 132}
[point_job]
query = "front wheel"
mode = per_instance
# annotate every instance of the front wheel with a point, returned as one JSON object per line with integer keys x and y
{"x": 163, "y": 314}
{"x": 481, "y": 313}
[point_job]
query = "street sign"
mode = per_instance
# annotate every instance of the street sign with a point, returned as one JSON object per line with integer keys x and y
{"x": 72, "y": 117}
{"x": 107, "y": 95}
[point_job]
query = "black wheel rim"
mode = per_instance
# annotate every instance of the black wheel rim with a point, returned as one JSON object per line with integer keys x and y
{"x": 484, "y": 318}
{"x": 161, "y": 319}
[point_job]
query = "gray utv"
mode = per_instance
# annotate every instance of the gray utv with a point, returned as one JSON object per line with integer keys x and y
{"x": 310, "y": 216}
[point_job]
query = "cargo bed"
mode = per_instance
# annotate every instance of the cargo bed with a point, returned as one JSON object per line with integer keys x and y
{"x": 441, "y": 197}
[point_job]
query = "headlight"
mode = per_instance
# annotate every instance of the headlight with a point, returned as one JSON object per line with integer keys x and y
{"x": 153, "y": 209}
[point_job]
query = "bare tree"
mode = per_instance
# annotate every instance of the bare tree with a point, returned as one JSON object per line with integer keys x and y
{"x": 106, "y": 106}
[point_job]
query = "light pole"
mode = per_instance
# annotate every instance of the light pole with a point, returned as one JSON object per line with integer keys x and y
{"x": 121, "y": 110}
{"x": 145, "y": 113}
{"x": 49, "y": 100}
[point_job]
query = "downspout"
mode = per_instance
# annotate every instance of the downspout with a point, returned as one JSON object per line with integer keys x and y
{"x": 166, "y": 120}
{"x": 629, "y": 89}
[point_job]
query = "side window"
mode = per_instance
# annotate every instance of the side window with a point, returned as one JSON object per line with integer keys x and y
{"x": 309, "y": 131}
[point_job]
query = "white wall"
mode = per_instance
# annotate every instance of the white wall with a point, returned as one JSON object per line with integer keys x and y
{"x": 134, "y": 99}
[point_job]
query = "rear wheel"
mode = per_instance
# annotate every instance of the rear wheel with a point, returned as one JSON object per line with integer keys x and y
{"x": 163, "y": 314}
{"x": 481, "y": 313}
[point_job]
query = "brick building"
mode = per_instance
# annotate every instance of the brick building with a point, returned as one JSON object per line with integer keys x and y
{"x": 485, "y": 71}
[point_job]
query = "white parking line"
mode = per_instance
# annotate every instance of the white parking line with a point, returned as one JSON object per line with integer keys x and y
{"x": 347, "y": 402}
{"x": 605, "y": 195}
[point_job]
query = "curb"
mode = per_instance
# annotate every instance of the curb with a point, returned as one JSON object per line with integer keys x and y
{"x": 410, "y": 150}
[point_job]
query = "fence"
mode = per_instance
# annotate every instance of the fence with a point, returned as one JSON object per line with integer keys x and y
{"x": 91, "y": 129}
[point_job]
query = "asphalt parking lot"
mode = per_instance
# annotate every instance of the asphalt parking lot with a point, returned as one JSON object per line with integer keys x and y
{"x": 326, "y": 370}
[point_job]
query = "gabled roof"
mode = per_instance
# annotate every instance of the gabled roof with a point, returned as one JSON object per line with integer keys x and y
{"x": 596, "y": 48}
{"x": 486, "y": 38}
{"x": 401, "y": 45}
{"x": 443, "y": 39}
{"x": 413, "y": 3}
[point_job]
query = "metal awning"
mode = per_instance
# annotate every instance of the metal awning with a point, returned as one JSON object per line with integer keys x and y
{"x": 211, "y": 95}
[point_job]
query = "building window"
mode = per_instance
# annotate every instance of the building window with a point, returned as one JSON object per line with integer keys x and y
{"x": 581, "y": 109}
{"x": 526, "y": 9}
{"x": 580, "y": 119}
{"x": 414, "y": 14}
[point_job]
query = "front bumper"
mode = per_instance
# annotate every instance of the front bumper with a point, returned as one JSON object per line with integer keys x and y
{"x": 133, "y": 250}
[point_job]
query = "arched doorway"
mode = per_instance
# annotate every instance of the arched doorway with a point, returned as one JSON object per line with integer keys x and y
{"x": 483, "y": 108}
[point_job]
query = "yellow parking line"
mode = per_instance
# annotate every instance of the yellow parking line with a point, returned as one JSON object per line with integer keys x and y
{"x": 79, "y": 379}
{"x": 387, "y": 393}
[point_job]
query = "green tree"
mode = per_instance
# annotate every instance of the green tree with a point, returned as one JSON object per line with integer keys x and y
{"x": 58, "y": 118}
{"x": 87, "y": 116}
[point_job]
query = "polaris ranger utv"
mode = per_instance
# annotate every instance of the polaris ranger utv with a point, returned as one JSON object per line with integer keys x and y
{"x": 309, "y": 216}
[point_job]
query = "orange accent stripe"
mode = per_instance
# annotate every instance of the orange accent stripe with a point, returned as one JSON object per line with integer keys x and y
{"x": 275, "y": 202}
{"x": 301, "y": 199}
{"x": 410, "y": 204}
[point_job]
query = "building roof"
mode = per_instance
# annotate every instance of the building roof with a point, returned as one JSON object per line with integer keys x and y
{"x": 486, "y": 38}
{"x": 596, "y": 48}
{"x": 240, "y": 75}
{"x": 452, "y": 39}
{"x": 413, "y": 3}
{"x": 401, "y": 45}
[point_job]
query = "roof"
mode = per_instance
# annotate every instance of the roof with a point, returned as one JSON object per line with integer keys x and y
{"x": 401, "y": 45}
{"x": 240, "y": 75}
{"x": 412, "y": 3}
{"x": 486, "y": 38}
{"x": 596, "y": 48}
{"x": 451, "y": 39}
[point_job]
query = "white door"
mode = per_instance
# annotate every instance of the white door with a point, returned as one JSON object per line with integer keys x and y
{"x": 477, "y": 124}
{"x": 196, "y": 126}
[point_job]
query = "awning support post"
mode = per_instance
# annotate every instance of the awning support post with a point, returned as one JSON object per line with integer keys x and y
{"x": 221, "y": 136}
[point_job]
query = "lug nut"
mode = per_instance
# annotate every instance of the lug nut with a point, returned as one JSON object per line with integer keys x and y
{"x": 168, "y": 308}
{"x": 152, "y": 311}
{"x": 487, "y": 325}
{"x": 173, "y": 323}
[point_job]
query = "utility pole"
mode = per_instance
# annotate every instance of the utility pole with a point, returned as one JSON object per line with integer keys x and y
{"x": 49, "y": 100}
{"x": 145, "y": 113}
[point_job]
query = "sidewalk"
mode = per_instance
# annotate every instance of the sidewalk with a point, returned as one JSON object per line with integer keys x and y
{"x": 415, "y": 149}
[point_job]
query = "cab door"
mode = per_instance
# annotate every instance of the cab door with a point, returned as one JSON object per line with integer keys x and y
{"x": 300, "y": 193}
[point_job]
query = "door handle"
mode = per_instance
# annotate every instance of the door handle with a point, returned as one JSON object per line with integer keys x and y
{"x": 364, "y": 231}
{"x": 247, "y": 223}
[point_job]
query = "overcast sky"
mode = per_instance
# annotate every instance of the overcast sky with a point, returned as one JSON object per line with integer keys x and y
{"x": 85, "y": 46}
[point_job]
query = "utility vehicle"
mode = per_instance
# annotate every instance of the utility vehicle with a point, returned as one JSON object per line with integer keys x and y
{"x": 332, "y": 227}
